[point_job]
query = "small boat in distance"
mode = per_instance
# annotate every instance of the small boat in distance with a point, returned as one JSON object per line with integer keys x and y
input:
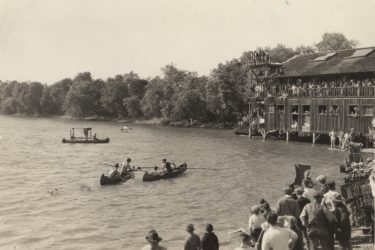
{"x": 124, "y": 129}
{"x": 84, "y": 137}
{"x": 165, "y": 175}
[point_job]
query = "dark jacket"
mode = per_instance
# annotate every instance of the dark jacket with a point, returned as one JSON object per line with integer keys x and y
{"x": 210, "y": 241}
{"x": 302, "y": 202}
{"x": 288, "y": 206}
{"x": 343, "y": 228}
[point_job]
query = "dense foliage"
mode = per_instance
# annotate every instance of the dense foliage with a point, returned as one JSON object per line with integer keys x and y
{"x": 176, "y": 95}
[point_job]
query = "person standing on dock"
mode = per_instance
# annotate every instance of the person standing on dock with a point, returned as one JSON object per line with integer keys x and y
{"x": 209, "y": 239}
{"x": 318, "y": 221}
{"x": 287, "y": 205}
{"x": 192, "y": 242}
{"x": 153, "y": 240}
{"x": 332, "y": 135}
{"x": 342, "y": 228}
{"x": 341, "y": 138}
{"x": 276, "y": 237}
{"x": 256, "y": 219}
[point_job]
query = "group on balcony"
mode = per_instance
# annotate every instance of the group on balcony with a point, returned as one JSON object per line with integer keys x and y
{"x": 352, "y": 87}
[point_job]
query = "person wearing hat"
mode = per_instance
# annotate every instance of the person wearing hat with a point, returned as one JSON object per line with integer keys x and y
{"x": 167, "y": 165}
{"x": 192, "y": 242}
{"x": 153, "y": 240}
{"x": 256, "y": 220}
{"x": 302, "y": 201}
{"x": 114, "y": 171}
{"x": 327, "y": 201}
{"x": 276, "y": 236}
{"x": 287, "y": 205}
{"x": 209, "y": 239}
{"x": 343, "y": 228}
{"x": 318, "y": 221}
{"x": 322, "y": 180}
{"x": 309, "y": 192}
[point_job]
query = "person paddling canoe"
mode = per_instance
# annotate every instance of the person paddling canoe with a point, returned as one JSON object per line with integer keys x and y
{"x": 125, "y": 167}
{"x": 167, "y": 165}
{"x": 114, "y": 171}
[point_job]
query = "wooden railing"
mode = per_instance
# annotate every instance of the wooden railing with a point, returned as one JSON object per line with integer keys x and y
{"x": 334, "y": 92}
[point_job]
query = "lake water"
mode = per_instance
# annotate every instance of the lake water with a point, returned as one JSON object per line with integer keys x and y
{"x": 51, "y": 197}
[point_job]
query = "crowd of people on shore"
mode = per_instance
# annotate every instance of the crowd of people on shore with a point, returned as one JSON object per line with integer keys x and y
{"x": 309, "y": 217}
{"x": 350, "y": 87}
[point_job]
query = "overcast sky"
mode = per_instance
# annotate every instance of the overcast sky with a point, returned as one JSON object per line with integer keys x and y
{"x": 48, "y": 40}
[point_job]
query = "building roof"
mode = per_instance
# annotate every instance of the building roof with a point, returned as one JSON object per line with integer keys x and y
{"x": 331, "y": 62}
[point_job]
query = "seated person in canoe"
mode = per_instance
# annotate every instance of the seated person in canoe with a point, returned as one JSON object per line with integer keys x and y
{"x": 167, "y": 165}
{"x": 114, "y": 171}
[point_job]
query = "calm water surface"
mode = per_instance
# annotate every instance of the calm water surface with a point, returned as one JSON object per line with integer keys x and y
{"x": 51, "y": 197}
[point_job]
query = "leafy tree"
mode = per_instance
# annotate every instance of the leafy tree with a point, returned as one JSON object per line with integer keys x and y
{"x": 335, "y": 41}
{"x": 9, "y": 105}
{"x": 302, "y": 49}
{"x": 36, "y": 90}
{"x": 133, "y": 106}
{"x": 113, "y": 93}
{"x": 83, "y": 97}
{"x": 225, "y": 90}
{"x": 281, "y": 53}
{"x": 152, "y": 99}
{"x": 136, "y": 86}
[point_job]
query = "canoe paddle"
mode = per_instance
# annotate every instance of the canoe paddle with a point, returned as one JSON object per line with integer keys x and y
{"x": 106, "y": 164}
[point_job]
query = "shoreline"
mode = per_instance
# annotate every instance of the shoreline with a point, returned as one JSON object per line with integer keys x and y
{"x": 152, "y": 121}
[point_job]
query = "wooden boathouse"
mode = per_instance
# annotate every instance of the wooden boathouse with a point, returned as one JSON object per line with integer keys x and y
{"x": 312, "y": 94}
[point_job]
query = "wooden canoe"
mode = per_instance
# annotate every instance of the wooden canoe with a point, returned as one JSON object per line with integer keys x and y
{"x": 165, "y": 175}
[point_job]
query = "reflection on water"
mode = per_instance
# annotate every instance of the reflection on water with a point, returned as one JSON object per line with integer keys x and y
{"x": 51, "y": 197}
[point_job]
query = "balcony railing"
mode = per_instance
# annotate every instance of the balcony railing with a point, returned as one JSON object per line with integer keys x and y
{"x": 334, "y": 92}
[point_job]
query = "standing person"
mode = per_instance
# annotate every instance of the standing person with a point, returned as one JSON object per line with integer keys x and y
{"x": 167, "y": 165}
{"x": 341, "y": 138}
{"x": 332, "y": 135}
{"x": 276, "y": 237}
{"x": 256, "y": 219}
{"x": 287, "y": 205}
{"x": 343, "y": 228}
{"x": 192, "y": 242}
{"x": 345, "y": 142}
{"x": 328, "y": 197}
{"x": 209, "y": 239}
{"x": 302, "y": 202}
{"x": 265, "y": 208}
{"x": 244, "y": 242}
{"x": 153, "y": 241}
{"x": 318, "y": 220}
{"x": 309, "y": 192}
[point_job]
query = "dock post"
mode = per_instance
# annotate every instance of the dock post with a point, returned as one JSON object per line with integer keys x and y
{"x": 287, "y": 136}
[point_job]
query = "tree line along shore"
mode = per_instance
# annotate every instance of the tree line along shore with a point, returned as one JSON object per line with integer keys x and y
{"x": 178, "y": 97}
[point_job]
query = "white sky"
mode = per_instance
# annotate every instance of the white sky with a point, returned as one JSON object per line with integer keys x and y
{"x": 48, "y": 40}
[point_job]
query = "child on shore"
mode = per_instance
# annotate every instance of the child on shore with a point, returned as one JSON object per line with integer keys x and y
{"x": 255, "y": 221}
